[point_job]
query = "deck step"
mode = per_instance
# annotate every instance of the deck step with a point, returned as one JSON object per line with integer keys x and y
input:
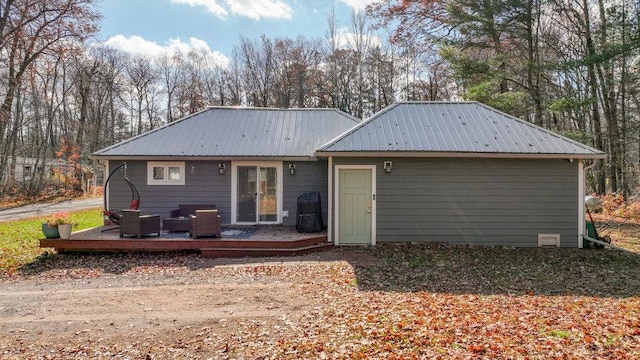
{"x": 227, "y": 252}
{"x": 171, "y": 244}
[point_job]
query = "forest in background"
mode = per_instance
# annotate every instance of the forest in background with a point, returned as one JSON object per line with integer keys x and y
{"x": 571, "y": 66}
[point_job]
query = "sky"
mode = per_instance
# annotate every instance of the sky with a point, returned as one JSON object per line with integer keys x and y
{"x": 151, "y": 27}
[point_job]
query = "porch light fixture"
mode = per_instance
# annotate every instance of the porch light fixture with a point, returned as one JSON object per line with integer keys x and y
{"x": 292, "y": 169}
{"x": 221, "y": 168}
{"x": 387, "y": 166}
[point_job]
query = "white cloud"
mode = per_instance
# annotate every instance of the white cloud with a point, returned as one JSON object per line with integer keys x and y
{"x": 212, "y": 6}
{"x": 136, "y": 45}
{"x": 359, "y": 5}
{"x": 347, "y": 39}
{"x": 252, "y": 9}
{"x": 256, "y": 9}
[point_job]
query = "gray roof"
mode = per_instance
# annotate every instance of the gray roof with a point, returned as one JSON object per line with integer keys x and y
{"x": 452, "y": 128}
{"x": 238, "y": 132}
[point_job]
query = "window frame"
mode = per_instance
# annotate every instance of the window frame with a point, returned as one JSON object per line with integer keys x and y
{"x": 27, "y": 172}
{"x": 165, "y": 165}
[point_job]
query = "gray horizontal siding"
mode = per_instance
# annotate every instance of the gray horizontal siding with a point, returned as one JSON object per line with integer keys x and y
{"x": 204, "y": 186}
{"x": 310, "y": 176}
{"x": 475, "y": 201}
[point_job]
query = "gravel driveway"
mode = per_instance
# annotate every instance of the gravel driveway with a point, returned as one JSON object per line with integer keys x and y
{"x": 43, "y": 209}
{"x": 169, "y": 305}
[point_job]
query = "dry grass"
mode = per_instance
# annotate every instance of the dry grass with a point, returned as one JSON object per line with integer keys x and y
{"x": 624, "y": 232}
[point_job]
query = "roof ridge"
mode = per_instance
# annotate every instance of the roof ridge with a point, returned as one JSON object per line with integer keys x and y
{"x": 257, "y": 108}
{"x": 461, "y": 102}
{"x": 222, "y": 107}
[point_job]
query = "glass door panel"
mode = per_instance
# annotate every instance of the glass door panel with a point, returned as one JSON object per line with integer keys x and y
{"x": 257, "y": 194}
{"x": 268, "y": 199}
{"x": 247, "y": 194}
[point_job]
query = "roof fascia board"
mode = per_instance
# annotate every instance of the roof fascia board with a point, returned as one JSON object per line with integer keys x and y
{"x": 414, "y": 154}
{"x": 204, "y": 158}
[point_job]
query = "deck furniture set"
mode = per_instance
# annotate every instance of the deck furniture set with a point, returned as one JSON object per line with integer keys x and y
{"x": 200, "y": 220}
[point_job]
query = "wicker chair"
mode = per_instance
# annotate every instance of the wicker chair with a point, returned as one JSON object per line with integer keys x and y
{"x": 205, "y": 223}
{"x": 134, "y": 224}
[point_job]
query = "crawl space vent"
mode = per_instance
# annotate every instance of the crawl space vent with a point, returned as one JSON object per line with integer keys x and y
{"x": 549, "y": 240}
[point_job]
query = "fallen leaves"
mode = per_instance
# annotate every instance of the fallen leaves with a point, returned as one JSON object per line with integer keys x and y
{"x": 403, "y": 302}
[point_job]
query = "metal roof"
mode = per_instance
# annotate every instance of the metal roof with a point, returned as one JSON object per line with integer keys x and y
{"x": 238, "y": 132}
{"x": 452, "y": 128}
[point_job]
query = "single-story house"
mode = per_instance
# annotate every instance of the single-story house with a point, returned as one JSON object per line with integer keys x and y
{"x": 452, "y": 172}
{"x": 23, "y": 169}
{"x": 252, "y": 163}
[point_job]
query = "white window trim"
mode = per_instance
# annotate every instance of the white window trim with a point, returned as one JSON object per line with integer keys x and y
{"x": 166, "y": 165}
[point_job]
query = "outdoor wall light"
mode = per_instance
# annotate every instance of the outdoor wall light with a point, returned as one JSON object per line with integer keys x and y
{"x": 193, "y": 169}
{"x": 387, "y": 166}
{"x": 292, "y": 169}
{"x": 222, "y": 168}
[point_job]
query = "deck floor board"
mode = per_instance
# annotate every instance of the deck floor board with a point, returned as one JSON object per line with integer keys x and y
{"x": 274, "y": 241}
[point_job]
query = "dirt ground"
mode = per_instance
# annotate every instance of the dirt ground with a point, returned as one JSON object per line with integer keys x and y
{"x": 155, "y": 306}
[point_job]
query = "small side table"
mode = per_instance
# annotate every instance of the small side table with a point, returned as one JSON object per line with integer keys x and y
{"x": 176, "y": 224}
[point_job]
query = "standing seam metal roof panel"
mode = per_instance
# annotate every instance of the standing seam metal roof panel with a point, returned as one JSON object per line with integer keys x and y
{"x": 239, "y": 132}
{"x": 453, "y": 127}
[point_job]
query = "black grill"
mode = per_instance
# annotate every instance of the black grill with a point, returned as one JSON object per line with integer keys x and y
{"x": 309, "y": 213}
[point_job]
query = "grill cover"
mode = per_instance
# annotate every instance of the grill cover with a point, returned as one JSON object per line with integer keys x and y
{"x": 309, "y": 213}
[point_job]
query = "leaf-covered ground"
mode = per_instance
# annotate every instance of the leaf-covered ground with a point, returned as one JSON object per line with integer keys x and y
{"x": 393, "y": 302}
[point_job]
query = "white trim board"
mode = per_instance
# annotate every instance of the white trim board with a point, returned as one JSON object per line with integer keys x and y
{"x": 581, "y": 208}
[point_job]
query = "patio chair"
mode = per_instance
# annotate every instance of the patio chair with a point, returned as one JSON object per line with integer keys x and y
{"x": 205, "y": 223}
{"x": 132, "y": 223}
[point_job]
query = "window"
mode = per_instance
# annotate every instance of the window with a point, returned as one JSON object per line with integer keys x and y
{"x": 165, "y": 173}
{"x": 26, "y": 172}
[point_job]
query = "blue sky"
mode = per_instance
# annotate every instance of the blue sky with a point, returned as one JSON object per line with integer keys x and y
{"x": 152, "y": 26}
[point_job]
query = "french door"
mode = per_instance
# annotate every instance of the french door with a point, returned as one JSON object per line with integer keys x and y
{"x": 257, "y": 193}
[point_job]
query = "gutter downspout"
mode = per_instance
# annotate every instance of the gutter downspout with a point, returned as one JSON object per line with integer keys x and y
{"x": 589, "y": 167}
{"x": 580, "y": 242}
{"x": 608, "y": 245}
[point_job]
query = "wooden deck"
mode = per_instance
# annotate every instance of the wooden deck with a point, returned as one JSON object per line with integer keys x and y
{"x": 267, "y": 241}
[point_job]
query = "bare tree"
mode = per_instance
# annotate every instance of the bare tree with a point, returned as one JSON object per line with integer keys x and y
{"x": 258, "y": 69}
{"x": 28, "y": 30}
{"x": 171, "y": 70}
{"x": 142, "y": 77}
